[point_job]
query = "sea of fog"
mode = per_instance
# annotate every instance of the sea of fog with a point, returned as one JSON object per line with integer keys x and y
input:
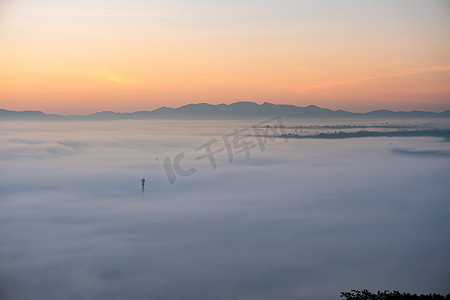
{"x": 275, "y": 219}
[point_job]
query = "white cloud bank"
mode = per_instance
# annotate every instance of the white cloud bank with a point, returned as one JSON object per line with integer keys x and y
{"x": 302, "y": 220}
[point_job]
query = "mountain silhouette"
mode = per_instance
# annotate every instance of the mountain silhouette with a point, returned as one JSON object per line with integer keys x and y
{"x": 238, "y": 110}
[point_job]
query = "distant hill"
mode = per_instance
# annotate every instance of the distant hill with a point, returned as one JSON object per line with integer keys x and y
{"x": 238, "y": 110}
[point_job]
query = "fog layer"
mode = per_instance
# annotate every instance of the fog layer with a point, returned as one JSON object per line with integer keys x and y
{"x": 305, "y": 219}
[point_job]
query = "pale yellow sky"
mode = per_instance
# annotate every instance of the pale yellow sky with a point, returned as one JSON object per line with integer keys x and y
{"x": 85, "y": 56}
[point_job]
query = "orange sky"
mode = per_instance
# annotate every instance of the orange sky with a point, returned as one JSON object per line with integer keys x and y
{"x": 87, "y": 56}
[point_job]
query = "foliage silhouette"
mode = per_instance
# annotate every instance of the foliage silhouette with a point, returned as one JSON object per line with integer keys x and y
{"x": 387, "y": 295}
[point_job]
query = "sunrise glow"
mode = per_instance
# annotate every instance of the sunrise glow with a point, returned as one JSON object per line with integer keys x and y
{"x": 86, "y": 56}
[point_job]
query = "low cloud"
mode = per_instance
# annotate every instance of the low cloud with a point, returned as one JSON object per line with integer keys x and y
{"x": 443, "y": 150}
{"x": 302, "y": 220}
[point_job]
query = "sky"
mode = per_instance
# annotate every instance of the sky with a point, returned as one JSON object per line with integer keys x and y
{"x": 85, "y": 56}
{"x": 306, "y": 219}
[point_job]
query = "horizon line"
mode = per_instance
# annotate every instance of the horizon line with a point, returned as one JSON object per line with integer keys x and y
{"x": 237, "y": 102}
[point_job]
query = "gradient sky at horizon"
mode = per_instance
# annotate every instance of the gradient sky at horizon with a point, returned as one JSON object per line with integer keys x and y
{"x": 90, "y": 55}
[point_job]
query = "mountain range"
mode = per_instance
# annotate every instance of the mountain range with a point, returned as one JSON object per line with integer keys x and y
{"x": 238, "y": 110}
